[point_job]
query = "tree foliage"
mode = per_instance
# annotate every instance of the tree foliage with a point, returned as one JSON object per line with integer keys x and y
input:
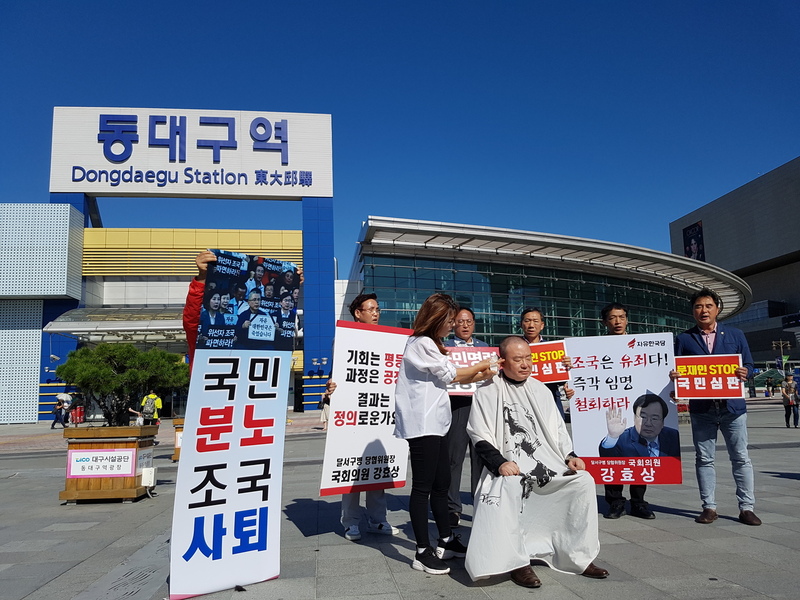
{"x": 117, "y": 376}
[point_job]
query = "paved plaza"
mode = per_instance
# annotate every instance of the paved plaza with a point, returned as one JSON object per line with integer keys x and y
{"x": 113, "y": 550}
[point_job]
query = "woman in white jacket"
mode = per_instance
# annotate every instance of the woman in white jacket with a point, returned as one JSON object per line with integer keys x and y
{"x": 423, "y": 416}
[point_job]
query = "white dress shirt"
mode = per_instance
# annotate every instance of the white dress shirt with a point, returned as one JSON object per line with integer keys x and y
{"x": 422, "y": 406}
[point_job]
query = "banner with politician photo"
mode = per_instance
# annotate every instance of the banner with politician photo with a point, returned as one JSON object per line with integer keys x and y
{"x": 251, "y": 303}
{"x": 624, "y": 421}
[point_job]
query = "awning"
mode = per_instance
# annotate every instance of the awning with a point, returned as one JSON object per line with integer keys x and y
{"x": 162, "y": 326}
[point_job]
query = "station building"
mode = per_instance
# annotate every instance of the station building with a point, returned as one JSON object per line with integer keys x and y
{"x": 751, "y": 232}
{"x": 129, "y": 285}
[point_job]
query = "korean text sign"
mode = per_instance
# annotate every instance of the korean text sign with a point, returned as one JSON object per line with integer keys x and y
{"x": 609, "y": 374}
{"x": 227, "y": 515}
{"x": 466, "y": 357}
{"x": 191, "y": 153}
{"x": 708, "y": 376}
{"x": 547, "y": 362}
{"x": 361, "y": 452}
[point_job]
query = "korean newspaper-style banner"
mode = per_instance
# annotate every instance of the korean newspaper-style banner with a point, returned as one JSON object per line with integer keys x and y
{"x": 227, "y": 515}
{"x": 250, "y": 302}
{"x": 610, "y": 375}
{"x": 708, "y": 376}
{"x": 547, "y": 361}
{"x": 191, "y": 153}
{"x": 361, "y": 452}
{"x": 466, "y": 357}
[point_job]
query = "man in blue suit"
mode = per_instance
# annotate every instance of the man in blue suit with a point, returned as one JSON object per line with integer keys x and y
{"x": 647, "y": 437}
{"x": 726, "y": 415}
{"x": 460, "y": 405}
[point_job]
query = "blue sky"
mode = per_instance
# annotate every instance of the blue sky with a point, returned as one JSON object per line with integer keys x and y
{"x": 598, "y": 119}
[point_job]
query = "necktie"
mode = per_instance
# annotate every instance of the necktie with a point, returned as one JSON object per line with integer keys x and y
{"x": 652, "y": 449}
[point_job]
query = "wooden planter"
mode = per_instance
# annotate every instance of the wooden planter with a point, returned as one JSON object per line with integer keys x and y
{"x": 178, "y": 425}
{"x": 105, "y": 463}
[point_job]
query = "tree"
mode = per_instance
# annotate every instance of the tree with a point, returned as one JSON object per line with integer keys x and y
{"x": 117, "y": 376}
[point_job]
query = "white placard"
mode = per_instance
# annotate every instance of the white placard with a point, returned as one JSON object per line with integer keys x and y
{"x": 227, "y": 516}
{"x": 608, "y": 374}
{"x": 361, "y": 452}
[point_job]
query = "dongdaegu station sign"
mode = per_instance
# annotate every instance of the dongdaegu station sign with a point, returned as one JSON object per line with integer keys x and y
{"x": 191, "y": 153}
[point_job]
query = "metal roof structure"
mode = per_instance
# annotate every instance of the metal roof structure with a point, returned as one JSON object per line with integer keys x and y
{"x": 140, "y": 326}
{"x": 433, "y": 239}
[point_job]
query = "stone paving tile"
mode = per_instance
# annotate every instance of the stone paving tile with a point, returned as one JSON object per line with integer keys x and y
{"x": 698, "y": 586}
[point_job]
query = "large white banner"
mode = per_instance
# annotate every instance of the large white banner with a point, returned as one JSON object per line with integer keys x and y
{"x": 227, "y": 518}
{"x": 194, "y": 153}
{"x": 361, "y": 452}
{"x": 609, "y": 373}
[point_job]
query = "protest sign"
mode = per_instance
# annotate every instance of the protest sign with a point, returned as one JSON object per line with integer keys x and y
{"x": 609, "y": 374}
{"x": 361, "y": 452}
{"x": 250, "y": 303}
{"x": 227, "y": 513}
{"x": 466, "y": 357}
{"x": 547, "y": 360}
{"x": 708, "y": 376}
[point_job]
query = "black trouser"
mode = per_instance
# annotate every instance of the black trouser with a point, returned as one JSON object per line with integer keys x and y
{"x": 614, "y": 495}
{"x": 457, "y": 442}
{"x": 792, "y": 410}
{"x": 58, "y": 417}
{"x": 430, "y": 480}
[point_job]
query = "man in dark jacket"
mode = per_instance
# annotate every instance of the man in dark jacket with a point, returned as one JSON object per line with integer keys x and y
{"x": 726, "y": 415}
{"x": 457, "y": 438}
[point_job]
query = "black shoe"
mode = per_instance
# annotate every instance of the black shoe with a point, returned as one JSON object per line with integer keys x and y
{"x": 615, "y": 511}
{"x": 453, "y": 548}
{"x": 455, "y": 520}
{"x": 428, "y": 561}
{"x": 642, "y": 511}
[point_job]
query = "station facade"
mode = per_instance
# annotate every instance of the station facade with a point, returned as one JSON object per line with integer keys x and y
{"x": 751, "y": 232}
{"x": 497, "y": 272}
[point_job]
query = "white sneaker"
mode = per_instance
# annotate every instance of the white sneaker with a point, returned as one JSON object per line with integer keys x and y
{"x": 384, "y": 528}
{"x": 352, "y": 533}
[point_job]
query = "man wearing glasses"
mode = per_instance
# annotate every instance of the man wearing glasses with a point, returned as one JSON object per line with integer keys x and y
{"x": 364, "y": 309}
{"x": 457, "y": 438}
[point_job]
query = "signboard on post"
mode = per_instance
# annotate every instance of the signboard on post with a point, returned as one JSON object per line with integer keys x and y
{"x": 191, "y": 153}
{"x": 611, "y": 375}
{"x": 361, "y": 452}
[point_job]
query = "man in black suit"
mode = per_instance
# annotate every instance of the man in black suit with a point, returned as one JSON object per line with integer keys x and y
{"x": 647, "y": 437}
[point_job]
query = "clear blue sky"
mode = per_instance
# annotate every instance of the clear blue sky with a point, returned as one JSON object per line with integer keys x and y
{"x": 601, "y": 119}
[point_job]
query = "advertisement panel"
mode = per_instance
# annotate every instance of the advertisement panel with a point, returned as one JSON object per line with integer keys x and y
{"x": 191, "y": 153}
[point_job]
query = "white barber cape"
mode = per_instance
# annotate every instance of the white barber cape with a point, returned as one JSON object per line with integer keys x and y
{"x": 543, "y": 514}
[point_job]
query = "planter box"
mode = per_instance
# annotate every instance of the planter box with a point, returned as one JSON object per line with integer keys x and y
{"x": 178, "y": 425}
{"x": 105, "y": 463}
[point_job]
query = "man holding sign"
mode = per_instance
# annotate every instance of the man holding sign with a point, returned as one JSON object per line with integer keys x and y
{"x": 364, "y": 309}
{"x": 532, "y": 324}
{"x": 457, "y": 438}
{"x": 726, "y": 415}
{"x": 615, "y": 318}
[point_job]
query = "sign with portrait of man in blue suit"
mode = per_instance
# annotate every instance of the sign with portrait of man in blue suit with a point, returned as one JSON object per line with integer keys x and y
{"x": 648, "y": 437}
